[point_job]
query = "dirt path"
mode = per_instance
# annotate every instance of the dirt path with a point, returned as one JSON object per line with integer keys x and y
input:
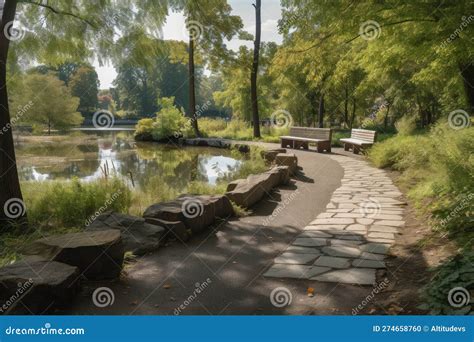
{"x": 220, "y": 272}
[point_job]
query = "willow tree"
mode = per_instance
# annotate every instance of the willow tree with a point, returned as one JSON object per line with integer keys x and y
{"x": 53, "y": 32}
{"x": 208, "y": 23}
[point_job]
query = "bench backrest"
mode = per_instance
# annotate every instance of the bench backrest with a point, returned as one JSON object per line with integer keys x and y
{"x": 311, "y": 133}
{"x": 364, "y": 135}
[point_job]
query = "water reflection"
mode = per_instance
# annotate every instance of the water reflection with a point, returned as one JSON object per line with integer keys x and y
{"x": 92, "y": 154}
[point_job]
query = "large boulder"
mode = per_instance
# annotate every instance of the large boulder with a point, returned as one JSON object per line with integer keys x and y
{"x": 287, "y": 159}
{"x": 139, "y": 237}
{"x": 37, "y": 287}
{"x": 97, "y": 254}
{"x": 196, "y": 212}
{"x": 270, "y": 155}
{"x": 174, "y": 229}
{"x": 247, "y": 192}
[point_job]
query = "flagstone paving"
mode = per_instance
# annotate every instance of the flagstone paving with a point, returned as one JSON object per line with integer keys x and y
{"x": 350, "y": 240}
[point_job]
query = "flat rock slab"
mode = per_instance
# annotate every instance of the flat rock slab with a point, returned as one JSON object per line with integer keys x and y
{"x": 332, "y": 262}
{"x": 368, "y": 263}
{"x": 310, "y": 242}
{"x": 315, "y": 234}
{"x": 97, "y": 254}
{"x": 341, "y": 251}
{"x": 359, "y": 276}
{"x": 378, "y": 248}
{"x": 340, "y": 221}
{"x": 303, "y": 250}
{"x": 37, "y": 287}
{"x": 295, "y": 258}
{"x": 383, "y": 229}
{"x": 294, "y": 271}
{"x": 379, "y": 235}
{"x": 139, "y": 236}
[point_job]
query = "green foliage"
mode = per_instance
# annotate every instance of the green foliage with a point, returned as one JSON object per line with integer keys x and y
{"x": 438, "y": 170}
{"x": 71, "y": 204}
{"x": 84, "y": 84}
{"x": 457, "y": 272}
{"x": 406, "y": 125}
{"x": 45, "y": 100}
{"x": 170, "y": 121}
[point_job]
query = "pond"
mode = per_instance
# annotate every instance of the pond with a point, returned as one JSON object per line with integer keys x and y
{"x": 90, "y": 155}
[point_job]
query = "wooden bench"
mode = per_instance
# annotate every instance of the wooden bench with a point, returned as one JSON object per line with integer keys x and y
{"x": 301, "y": 137}
{"x": 360, "y": 139}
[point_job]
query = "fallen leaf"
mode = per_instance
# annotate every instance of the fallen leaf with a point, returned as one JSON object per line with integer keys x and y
{"x": 167, "y": 286}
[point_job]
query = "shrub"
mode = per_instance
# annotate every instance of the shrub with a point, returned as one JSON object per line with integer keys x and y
{"x": 144, "y": 126}
{"x": 170, "y": 121}
{"x": 406, "y": 125}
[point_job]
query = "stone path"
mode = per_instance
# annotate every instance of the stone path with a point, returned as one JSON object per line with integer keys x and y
{"x": 349, "y": 241}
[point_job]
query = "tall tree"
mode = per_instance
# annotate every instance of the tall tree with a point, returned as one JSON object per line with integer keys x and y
{"x": 53, "y": 104}
{"x": 85, "y": 85}
{"x": 254, "y": 73}
{"x": 56, "y": 32}
{"x": 208, "y": 24}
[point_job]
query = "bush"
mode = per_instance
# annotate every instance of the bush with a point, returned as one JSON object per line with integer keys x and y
{"x": 144, "y": 126}
{"x": 170, "y": 121}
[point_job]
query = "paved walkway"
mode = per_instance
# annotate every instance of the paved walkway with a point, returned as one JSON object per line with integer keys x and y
{"x": 348, "y": 242}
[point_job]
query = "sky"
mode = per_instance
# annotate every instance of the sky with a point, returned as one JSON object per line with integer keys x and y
{"x": 174, "y": 30}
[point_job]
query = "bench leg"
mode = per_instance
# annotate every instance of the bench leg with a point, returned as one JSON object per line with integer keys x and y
{"x": 355, "y": 149}
{"x": 324, "y": 146}
{"x": 287, "y": 143}
{"x": 346, "y": 147}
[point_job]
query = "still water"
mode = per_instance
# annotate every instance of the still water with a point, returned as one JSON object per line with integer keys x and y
{"x": 89, "y": 155}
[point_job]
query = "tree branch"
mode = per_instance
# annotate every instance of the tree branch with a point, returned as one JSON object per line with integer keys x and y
{"x": 357, "y": 36}
{"x": 59, "y": 12}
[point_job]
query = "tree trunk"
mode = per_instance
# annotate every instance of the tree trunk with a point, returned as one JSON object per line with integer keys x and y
{"x": 192, "y": 89}
{"x": 346, "y": 105}
{"x": 353, "y": 112}
{"x": 467, "y": 72}
{"x": 321, "y": 111}
{"x": 9, "y": 182}
{"x": 254, "y": 73}
{"x": 385, "y": 120}
{"x": 49, "y": 126}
